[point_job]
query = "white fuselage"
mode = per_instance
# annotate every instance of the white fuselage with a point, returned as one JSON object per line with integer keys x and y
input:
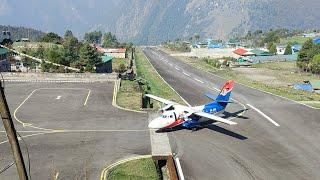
{"x": 171, "y": 118}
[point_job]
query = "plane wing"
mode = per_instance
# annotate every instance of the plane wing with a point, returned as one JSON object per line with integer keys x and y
{"x": 216, "y": 118}
{"x": 165, "y": 101}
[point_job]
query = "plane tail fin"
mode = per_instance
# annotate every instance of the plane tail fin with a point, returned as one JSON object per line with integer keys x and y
{"x": 225, "y": 93}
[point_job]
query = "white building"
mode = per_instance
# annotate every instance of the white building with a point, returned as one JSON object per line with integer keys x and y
{"x": 116, "y": 53}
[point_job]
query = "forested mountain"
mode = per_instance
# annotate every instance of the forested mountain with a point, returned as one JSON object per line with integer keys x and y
{"x": 21, "y": 32}
{"x": 154, "y": 21}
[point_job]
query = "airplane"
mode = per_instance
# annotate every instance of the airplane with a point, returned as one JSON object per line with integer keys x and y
{"x": 174, "y": 114}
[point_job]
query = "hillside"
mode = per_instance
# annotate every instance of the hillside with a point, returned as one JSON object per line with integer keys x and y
{"x": 154, "y": 21}
{"x": 22, "y": 32}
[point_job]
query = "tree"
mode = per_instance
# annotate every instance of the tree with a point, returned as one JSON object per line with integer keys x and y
{"x": 52, "y": 37}
{"x": 288, "y": 49}
{"x": 197, "y": 37}
{"x": 88, "y": 55}
{"x": 55, "y": 55}
{"x": 272, "y": 48}
{"x": 70, "y": 48}
{"x": 110, "y": 40}
{"x": 68, "y": 34}
{"x": 315, "y": 64}
{"x": 305, "y": 55}
{"x": 93, "y": 37}
{"x": 272, "y": 37}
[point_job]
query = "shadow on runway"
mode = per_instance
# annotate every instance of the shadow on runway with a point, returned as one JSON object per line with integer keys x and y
{"x": 235, "y": 114}
{"x": 207, "y": 125}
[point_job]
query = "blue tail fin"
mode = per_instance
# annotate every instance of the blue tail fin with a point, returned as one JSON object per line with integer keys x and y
{"x": 224, "y": 95}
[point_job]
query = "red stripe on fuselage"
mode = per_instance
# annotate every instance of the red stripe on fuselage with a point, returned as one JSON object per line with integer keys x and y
{"x": 175, "y": 123}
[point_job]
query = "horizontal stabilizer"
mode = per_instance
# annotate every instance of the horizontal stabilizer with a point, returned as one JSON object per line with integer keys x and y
{"x": 225, "y": 101}
{"x": 210, "y": 96}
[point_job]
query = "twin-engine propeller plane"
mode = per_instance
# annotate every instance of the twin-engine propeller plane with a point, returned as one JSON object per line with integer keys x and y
{"x": 174, "y": 114}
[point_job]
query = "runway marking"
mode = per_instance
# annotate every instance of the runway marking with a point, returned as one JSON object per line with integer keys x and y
{"x": 58, "y": 97}
{"x": 186, "y": 74}
{"x": 102, "y": 130}
{"x": 30, "y": 135}
{"x": 57, "y": 174}
{"x": 264, "y": 115}
{"x": 85, "y": 102}
{"x": 198, "y": 80}
{"x": 24, "y": 124}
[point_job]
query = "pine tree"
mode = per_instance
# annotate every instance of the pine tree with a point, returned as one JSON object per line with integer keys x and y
{"x": 288, "y": 49}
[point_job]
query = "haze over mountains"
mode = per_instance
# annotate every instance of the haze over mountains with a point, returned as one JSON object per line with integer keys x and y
{"x": 154, "y": 21}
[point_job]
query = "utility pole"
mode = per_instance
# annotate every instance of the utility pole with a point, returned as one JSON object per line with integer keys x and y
{"x": 12, "y": 136}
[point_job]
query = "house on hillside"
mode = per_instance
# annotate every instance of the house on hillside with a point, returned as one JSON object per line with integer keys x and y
{"x": 296, "y": 48}
{"x": 105, "y": 66}
{"x": 316, "y": 41}
{"x": 259, "y": 52}
{"x": 309, "y": 35}
{"x": 5, "y": 65}
{"x": 243, "y": 52}
{"x": 116, "y": 53}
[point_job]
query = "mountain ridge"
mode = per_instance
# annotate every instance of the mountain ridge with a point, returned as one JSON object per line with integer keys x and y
{"x": 154, "y": 21}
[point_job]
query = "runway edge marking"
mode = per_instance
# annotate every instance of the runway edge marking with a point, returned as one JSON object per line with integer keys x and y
{"x": 264, "y": 115}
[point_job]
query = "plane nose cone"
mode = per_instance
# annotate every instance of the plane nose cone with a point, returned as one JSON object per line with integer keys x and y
{"x": 153, "y": 125}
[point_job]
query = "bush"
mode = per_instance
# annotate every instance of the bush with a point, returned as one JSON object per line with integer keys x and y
{"x": 315, "y": 64}
{"x": 212, "y": 62}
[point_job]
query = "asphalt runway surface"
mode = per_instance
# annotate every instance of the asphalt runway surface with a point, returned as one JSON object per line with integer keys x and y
{"x": 71, "y": 129}
{"x": 275, "y": 138}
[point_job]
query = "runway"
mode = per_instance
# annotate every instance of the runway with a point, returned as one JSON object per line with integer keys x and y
{"x": 275, "y": 138}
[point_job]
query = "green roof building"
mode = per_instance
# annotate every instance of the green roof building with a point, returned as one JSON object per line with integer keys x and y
{"x": 259, "y": 52}
{"x": 105, "y": 66}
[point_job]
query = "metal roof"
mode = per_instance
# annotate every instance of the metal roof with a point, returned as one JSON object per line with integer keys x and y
{"x": 3, "y": 51}
{"x": 106, "y": 58}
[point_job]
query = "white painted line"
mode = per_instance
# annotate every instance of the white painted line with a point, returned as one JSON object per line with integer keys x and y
{"x": 57, "y": 174}
{"x": 264, "y": 115}
{"x": 180, "y": 173}
{"x": 186, "y": 74}
{"x": 177, "y": 68}
{"x": 199, "y": 80}
{"x": 86, "y": 101}
{"x": 58, "y": 97}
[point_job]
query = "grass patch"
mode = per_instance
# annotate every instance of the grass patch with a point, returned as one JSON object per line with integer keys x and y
{"x": 298, "y": 39}
{"x": 285, "y": 71}
{"x": 129, "y": 95}
{"x": 143, "y": 169}
{"x": 116, "y": 62}
{"x": 158, "y": 86}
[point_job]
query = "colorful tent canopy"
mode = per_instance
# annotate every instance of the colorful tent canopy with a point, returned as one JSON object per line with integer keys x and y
{"x": 316, "y": 41}
{"x": 240, "y": 51}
